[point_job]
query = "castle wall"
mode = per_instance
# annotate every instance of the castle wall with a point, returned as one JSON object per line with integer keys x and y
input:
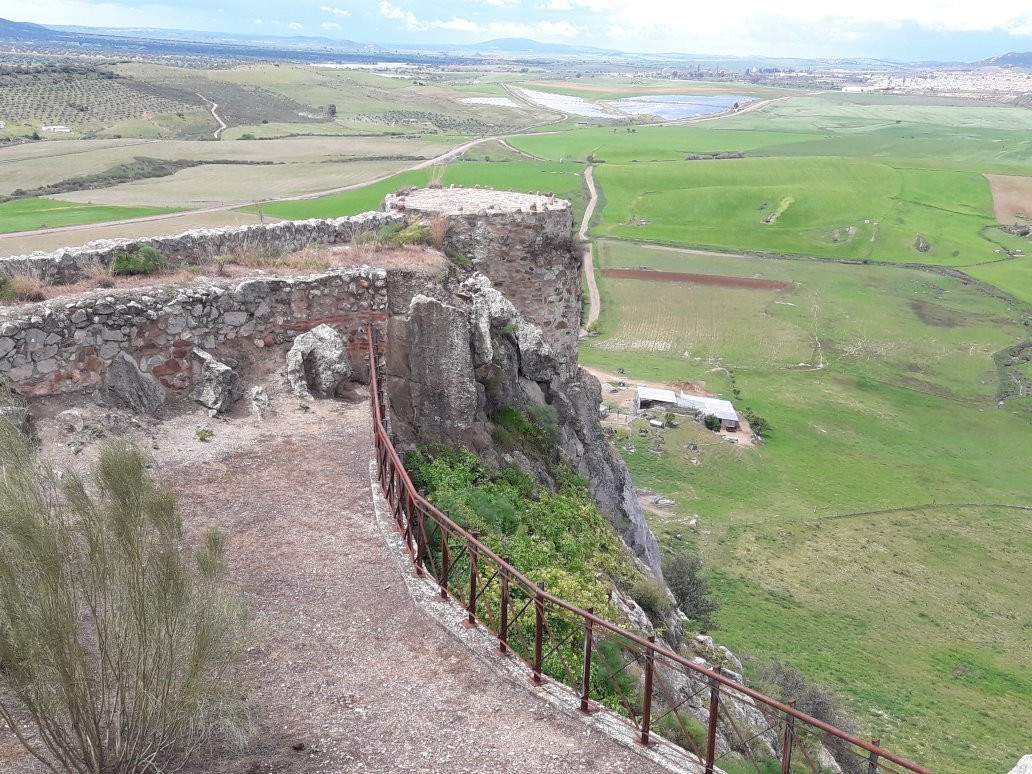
{"x": 69, "y": 345}
{"x": 523, "y": 243}
{"x": 71, "y": 264}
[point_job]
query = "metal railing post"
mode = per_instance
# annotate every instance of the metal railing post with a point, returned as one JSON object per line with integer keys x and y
{"x": 472, "y": 606}
{"x": 539, "y": 631}
{"x": 711, "y": 732}
{"x": 503, "y": 617}
{"x": 646, "y": 705}
{"x": 409, "y": 506}
{"x": 589, "y": 637}
{"x": 788, "y": 741}
{"x": 872, "y": 760}
{"x": 420, "y": 542}
{"x": 444, "y": 560}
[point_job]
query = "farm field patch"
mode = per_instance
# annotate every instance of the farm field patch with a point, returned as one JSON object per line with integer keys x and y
{"x": 1012, "y": 197}
{"x": 915, "y": 614}
{"x": 28, "y": 214}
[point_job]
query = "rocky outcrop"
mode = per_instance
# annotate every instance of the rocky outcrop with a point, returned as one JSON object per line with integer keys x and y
{"x": 430, "y": 379}
{"x": 318, "y": 363}
{"x": 452, "y": 366}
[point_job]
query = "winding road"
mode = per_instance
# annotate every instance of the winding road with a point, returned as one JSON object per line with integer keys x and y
{"x": 594, "y": 299}
{"x": 214, "y": 112}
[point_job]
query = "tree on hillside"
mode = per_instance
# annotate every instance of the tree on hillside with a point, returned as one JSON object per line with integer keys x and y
{"x": 117, "y": 643}
{"x": 331, "y": 110}
{"x": 683, "y": 574}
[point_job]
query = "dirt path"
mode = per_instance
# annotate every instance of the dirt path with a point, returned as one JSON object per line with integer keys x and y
{"x": 348, "y": 673}
{"x": 594, "y": 299}
{"x": 214, "y": 112}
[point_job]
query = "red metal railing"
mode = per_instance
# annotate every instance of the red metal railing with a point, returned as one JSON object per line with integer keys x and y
{"x": 668, "y": 699}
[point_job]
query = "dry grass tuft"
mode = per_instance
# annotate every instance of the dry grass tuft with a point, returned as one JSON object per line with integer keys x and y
{"x": 439, "y": 230}
{"x": 27, "y": 288}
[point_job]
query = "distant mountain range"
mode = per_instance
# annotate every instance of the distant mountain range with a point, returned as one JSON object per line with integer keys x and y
{"x": 1011, "y": 59}
{"x": 250, "y": 46}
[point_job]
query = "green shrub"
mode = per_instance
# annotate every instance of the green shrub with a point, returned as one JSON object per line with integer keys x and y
{"x": 117, "y": 645}
{"x": 683, "y": 574}
{"x": 460, "y": 260}
{"x": 756, "y": 422}
{"x": 144, "y": 260}
{"x": 711, "y": 422}
{"x": 651, "y": 596}
{"x": 398, "y": 235}
{"x": 6, "y": 291}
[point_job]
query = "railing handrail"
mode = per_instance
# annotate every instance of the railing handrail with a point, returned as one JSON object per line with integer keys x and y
{"x": 442, "y": 519}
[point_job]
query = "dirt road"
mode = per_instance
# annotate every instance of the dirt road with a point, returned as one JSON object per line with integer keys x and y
{"x": 594, "y": 299}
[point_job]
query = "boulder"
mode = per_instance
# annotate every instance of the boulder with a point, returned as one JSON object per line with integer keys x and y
{"x": 139, "y": 391}
{"x": 216, "y": 385}
{"x": 71, "y": 420}
{"x": 317, "y": 363}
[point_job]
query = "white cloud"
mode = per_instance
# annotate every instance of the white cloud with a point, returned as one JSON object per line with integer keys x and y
{"x": 295, "y": 26}
{"x": 335, "y": 11}
{"x": 496, "y": 28}
{"x": 556, "y": 5}
{"x": 257, "y": 21}
{"x": 330, "y": 26}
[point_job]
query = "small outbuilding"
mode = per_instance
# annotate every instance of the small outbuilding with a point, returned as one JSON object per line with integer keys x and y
{"x": 715, "y": 407}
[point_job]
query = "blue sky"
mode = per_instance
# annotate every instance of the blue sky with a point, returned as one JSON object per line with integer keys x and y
{"x": 903, "y": 29}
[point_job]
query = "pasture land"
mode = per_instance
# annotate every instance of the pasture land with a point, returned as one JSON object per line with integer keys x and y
{"x": 917, "y": 614}
{"x": 300, "y": 164}
{"x": 862, "y": 177}
{"x": 29, "y": 214}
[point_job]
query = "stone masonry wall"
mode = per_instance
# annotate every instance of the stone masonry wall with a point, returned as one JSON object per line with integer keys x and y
{"x": 523, "y": 243}
{"x": 70, "y": 264}
{"x": 69, "y": 345}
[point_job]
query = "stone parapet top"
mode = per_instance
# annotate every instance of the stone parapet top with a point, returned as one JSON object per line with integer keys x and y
{"x": 458, "y": 201}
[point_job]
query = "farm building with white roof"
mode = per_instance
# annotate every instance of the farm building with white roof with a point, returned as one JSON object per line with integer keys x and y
{"x": 721, "y": 409}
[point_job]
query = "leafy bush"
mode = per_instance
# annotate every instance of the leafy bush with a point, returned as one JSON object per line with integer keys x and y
{"x": 683, "y": 573}
{"x": 651, "y": 596}
{"x": 711, "y": 422}
{"x": 145, "y": 260}
{"x": 535, "y": 430}
{"x": 115, "y": 646}
{"x": 397, "y": 235}
{"x": 6, "y": 291}
{"x": 758, "y": 424}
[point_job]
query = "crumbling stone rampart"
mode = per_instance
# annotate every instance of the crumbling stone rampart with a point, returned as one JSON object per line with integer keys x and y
{"x": 522, "y": 242}
{"x": 71, "y": 264}
{"x": 69, "y": 345}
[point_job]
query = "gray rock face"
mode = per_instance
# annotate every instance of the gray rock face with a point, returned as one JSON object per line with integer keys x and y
{"x": 140, "y": 392}
{"x": 318, "y": 362}
{"x": 431, "y": 383}
{"x": 1024, "y": 766}
{"x": 216, "y": 385}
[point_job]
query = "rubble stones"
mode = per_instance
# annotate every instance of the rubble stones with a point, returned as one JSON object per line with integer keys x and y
{"x": 71, "y": 420}
{"x": 216, "y": 385}
{"x": 139, "y": 391}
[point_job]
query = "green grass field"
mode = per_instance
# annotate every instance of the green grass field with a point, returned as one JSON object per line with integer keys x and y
{"x": 916, "y": 616}
{"x": 565, "y": 180}
{"x": 837, "y": 176}
{"x": 30, "y": 214}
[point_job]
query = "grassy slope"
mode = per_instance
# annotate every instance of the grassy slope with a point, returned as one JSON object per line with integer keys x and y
{"x": 29, "y": 214}
{"x": 918, "y": 615}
